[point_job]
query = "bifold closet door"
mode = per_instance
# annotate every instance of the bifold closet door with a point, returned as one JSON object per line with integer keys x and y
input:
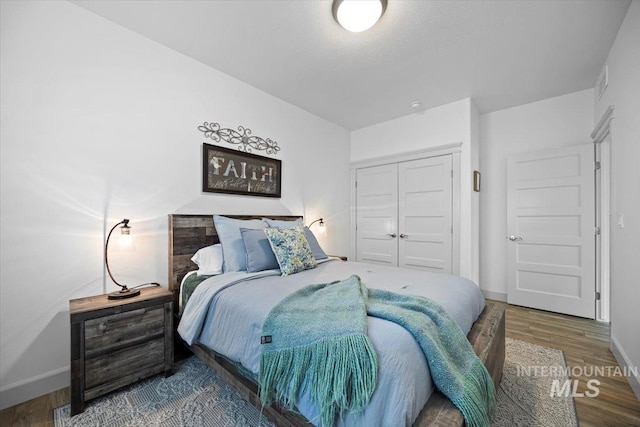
{"x": 425, "y": 214}
{"x": 377, "y": 215}
{"x": 404, "y": 214}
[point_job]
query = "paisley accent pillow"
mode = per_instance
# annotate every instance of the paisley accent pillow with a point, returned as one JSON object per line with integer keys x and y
{"x": 292, "y": 249}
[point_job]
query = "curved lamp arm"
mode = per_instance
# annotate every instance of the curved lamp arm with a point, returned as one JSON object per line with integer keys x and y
{"x": 321, "y": 225}
{"x": 313, "y": 222}
{"x": 124, "y": 292}
{"x": 125, "y": 226}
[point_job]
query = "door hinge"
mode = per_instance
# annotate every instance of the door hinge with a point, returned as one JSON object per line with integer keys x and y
{"x": 451, "y": 173}
{"x": 597, "y": 165}
{"x": 597, "y": 231}
{"x": 597, "y": 296}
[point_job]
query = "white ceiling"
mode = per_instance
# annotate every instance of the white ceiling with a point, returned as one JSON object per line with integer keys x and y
{"x": 500, "y": 53}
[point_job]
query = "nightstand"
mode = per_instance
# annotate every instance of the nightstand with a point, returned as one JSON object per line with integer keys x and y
{"x": 115, "y": 343}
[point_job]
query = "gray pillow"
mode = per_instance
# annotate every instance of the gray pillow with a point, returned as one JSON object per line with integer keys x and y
{"x": 233, "y": 251}
{"x": 318, "y": 253}
{"x": 260, "y": 256}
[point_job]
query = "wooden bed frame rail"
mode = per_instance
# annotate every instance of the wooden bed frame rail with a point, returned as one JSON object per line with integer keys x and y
{"x": 188, "y": 233}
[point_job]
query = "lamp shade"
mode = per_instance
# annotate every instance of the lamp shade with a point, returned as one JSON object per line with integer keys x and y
{"x": 125, "y": 240}
{"x": 358, "y": 15}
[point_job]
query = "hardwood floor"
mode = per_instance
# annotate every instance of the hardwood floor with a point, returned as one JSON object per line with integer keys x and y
{"x": 36, "y": 412}
{"x": 585, "y": 343}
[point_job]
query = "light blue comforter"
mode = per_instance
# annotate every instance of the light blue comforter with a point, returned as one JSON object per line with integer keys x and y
{"x": 226, "y": 314}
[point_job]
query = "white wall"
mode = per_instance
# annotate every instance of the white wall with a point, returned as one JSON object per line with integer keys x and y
{"x": 437, "y": 126}
{"x": 555, "y": 122}
{"x": 99, "y": 124}
{"x": 474, "y": 226}
{"x": 623, "y": 92}
{"x": 429, "y": 128}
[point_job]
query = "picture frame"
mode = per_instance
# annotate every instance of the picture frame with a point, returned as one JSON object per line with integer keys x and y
{"x": 476, "y": 181}
{"x": 239, "y": 172}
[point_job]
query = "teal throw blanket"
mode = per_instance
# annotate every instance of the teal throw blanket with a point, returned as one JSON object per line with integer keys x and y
{"x": 316, "y": 340}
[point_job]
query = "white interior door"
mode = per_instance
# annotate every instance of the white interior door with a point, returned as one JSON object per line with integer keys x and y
{"x": 425, "y": 214}
{"x": 377, "y": 214}
{"x": 551, "y": 230}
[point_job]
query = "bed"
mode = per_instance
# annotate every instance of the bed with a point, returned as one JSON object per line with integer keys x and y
{"x": 188, "y": 233}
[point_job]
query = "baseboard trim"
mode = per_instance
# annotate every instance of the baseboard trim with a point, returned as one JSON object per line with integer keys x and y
{"x": 625, "y": 362}
{"x": 496, "y": 296}
{"x": 22, "y": 391}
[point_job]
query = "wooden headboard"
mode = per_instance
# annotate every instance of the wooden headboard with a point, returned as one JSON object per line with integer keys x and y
{"x": 187, "y": 234}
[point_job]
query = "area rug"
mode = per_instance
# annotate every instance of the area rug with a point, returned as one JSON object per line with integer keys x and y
{"x": 196, "y": 396}
{"x": 524, "y": 397}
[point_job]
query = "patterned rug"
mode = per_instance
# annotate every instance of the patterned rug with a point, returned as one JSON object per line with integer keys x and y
{"x": 524, "y": 395}
{"x": 196, "y": 396}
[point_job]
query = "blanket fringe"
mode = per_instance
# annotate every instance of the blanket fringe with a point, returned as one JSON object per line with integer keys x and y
{"x": 478, "y": 396}
{"x": 342, "y": 375}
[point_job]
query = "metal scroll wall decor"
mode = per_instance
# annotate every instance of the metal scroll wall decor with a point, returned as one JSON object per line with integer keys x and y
{"x": 241, "y": 137}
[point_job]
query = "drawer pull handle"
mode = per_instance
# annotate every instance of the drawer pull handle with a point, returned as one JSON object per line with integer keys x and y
{"x": 102, "y": 327}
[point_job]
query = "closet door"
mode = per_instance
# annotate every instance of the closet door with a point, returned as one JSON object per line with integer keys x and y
{"x": 425, "y": 214}
{"x": 377, "y": 215}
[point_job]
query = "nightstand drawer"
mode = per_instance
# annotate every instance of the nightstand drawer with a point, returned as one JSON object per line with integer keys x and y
{"x": 108, "y": 367}
{"x": 122, "y": 329}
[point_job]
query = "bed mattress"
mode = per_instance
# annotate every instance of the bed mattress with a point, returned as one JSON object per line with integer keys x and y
{"x": 225, "y": 313}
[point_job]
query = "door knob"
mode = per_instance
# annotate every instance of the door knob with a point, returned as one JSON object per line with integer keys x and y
{"x": 392, "y": 235}
{"x": 514, "y": 238}
{"x": 402, "y": 235}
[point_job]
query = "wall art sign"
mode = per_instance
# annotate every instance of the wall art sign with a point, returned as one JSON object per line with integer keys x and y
{"x": 241, "y": 137}
{"x": 237, "y": 172}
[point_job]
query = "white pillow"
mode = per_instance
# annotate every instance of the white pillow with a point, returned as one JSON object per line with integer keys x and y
{"x": 209, "y": 260}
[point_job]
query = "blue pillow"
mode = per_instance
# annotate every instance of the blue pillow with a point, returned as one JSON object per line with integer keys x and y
{"x": 260, "y": 256}
{"x": 278, "y": 223}
{"x": 317, "y": 251}
{"x": 291, "y": 249}
{"x": 233, "y": 250}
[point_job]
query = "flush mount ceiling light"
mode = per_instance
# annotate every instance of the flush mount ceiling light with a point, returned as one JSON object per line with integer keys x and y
{"x": 358, "y": 15}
